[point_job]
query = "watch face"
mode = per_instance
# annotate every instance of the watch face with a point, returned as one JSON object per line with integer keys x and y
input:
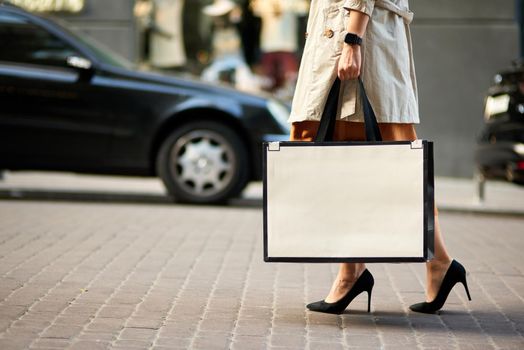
{"x": 352, "y": 39}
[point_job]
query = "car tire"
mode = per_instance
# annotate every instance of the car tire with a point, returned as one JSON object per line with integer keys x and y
{"x": 203, "y": 162}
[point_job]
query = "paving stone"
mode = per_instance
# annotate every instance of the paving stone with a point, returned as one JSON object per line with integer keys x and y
{"x": 97, "y": 336}
{"x": 8, "y": 343}
{"x": 217, "y": 325}
{"x": 73, "y": 320}
{"x": 317, "y": 345}
{"x": 253, "y": 330}
{"x": 81, "y": 309}
{"x": 138, "y": 334}
{"x": 27, "y": 322}
{"x": 132, "y": 344}
{"x": 211, "y": 340}
{"x": 117, "y": 312}
{"x": 288, "y": 340}
{"x": 61, "y": 331}
{"x": 17, "y": 332}
{"x": 241, "y": 342}
{"x": 51, "y": 343}
{"x": 175, "y": 342}
{"x": 12, "y": 312}
{"x": 106, "y": 324}
{"x": 90, "y": 345}
{"x": 360, "y": 340}
{"x": 151, "y": 322}
{"x": 180, "y": 329}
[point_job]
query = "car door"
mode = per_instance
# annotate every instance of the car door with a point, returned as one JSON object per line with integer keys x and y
{"x": 49, "y": 112}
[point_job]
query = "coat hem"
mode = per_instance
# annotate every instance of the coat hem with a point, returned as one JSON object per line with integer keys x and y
{"x": 388, "y": 120}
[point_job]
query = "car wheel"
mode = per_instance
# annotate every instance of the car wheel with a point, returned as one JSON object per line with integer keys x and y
{"x": 203, "y": 162}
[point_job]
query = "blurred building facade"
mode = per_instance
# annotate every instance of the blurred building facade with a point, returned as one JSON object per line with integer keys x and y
{"x": 458, "y": 47}
{"x": 110, "y": 22}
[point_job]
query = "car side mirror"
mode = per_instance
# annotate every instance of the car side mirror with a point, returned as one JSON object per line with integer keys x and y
{"x": 83, "y": 65}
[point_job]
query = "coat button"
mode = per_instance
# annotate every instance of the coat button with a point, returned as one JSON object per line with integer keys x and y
{"x": 329, "y": 33}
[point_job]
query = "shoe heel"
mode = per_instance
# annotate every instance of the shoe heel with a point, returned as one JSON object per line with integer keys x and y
{"x": 465, "y": 284}
{"x": 369, "y": 300}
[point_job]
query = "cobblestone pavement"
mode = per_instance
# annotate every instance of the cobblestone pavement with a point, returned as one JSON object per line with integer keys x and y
{"x": 124, "y": 276}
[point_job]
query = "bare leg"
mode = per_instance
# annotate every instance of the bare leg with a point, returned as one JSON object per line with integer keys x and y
{"x": 346, "y": 278}
{"x": 436, "y": 268}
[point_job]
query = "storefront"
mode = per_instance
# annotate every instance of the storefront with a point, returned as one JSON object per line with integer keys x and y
{"x": 109, "y": 22}
{"x": 123, "y": 25}
{"x": 133, "y": 27}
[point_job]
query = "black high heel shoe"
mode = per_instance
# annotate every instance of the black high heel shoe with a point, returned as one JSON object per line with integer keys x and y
{"x": 456, "y": 273}
{"x": 363, "y": 284}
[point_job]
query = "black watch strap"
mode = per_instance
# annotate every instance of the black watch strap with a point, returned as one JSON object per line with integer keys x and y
{"x": 352, "y": 39}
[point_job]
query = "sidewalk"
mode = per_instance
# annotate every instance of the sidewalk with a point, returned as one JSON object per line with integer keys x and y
{"x": 452, "y": 194}
{"x": 87, "y": 275}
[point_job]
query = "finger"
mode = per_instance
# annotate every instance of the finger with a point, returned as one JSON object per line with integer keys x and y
{"x": 351, "y": 74}
{"x": 340, "y": 74}
{"x": 355, "y": 72}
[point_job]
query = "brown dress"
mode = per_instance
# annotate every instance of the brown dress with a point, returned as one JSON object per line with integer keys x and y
{"x": 353, "y": 131}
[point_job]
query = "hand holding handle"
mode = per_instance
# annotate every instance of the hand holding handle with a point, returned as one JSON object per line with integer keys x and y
{"x": 327, "y": 123}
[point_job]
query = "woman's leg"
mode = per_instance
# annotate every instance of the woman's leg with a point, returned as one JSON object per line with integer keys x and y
{"x": 438, "y": 266}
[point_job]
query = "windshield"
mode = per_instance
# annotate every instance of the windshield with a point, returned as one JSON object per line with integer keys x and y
{"x": 102, "y": 52}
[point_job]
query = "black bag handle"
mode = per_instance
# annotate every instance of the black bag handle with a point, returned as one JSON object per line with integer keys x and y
{"x": 327, "y": 123}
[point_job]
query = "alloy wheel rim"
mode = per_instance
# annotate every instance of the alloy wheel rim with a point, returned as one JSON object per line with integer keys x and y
{"x": 203, "y": 163}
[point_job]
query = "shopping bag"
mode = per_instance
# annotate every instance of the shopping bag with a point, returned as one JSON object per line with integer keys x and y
{"x": 330, "y": 201}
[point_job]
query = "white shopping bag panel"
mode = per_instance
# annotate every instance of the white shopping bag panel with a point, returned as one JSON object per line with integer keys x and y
{"x": 356, "y": 202}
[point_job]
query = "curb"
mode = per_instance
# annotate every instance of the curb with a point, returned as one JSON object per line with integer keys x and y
{"x": 251, "y": 202}
{"x": 480, "y": 210}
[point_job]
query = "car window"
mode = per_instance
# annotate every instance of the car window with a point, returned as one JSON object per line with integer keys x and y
{"x": 24, "y": 42}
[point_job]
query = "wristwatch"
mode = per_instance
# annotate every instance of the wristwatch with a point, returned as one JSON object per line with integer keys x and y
{"x": 352, "y": 39}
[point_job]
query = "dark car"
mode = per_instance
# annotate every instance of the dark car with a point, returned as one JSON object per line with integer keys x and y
{"x": 500, "y": 150}
{"x": 66, "y": 104}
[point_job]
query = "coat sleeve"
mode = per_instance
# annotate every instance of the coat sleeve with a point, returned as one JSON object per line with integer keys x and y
{"x": 364, "y": 6}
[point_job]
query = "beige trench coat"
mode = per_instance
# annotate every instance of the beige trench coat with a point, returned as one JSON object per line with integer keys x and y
{"x": 387, "y": 70}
